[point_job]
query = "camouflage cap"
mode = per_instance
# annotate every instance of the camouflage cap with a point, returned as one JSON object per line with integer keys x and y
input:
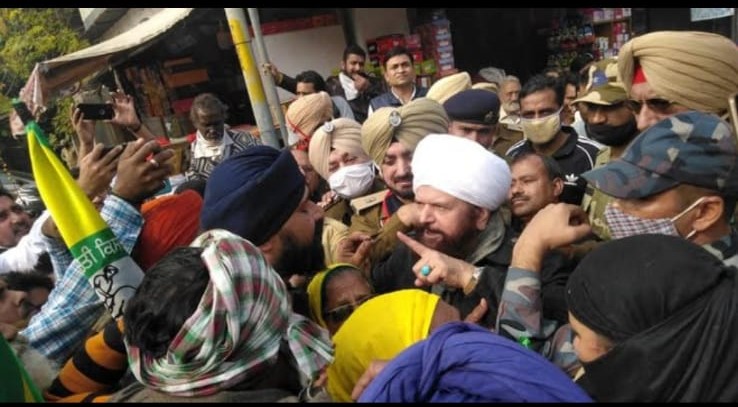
{"x": 603, "y": 86}
{"x": 689, "y": 148}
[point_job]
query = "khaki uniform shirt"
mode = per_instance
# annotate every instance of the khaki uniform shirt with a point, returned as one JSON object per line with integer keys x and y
{"x": 507, "y": 135}
{"x": 367, "y": 218}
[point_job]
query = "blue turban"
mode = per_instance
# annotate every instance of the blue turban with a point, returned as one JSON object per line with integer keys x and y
{"x": 462, "y": 362}
{"x": 253, "y": 193}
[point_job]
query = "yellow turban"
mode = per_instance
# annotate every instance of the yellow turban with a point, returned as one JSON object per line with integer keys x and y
{"x": 343, "y": 134}
{"x": 316, "y": 291}
{"x": 448, "y": 86}
{"x": 698, "y": 70}
{"x": 492, "y": 87}
{"x": 380, "y": 328}
{"x": 407, "y": 124}
{"x": 308, "y": 112}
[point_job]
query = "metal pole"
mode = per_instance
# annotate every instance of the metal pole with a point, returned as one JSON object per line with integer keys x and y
{"x": 266, "y": 77}
{"x": 241, "y": 39}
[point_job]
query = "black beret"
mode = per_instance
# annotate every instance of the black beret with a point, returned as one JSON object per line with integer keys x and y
{"x": 473, "y": 106}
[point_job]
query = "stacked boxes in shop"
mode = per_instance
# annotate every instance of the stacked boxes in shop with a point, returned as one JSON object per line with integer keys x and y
{"x": 378, "y": 48}
{"x": 438, "y": 47}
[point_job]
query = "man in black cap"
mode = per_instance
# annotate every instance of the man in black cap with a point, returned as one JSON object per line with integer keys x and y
{"x": 473, "y": 114}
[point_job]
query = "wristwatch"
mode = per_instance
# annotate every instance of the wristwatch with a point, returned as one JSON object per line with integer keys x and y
{"x": 474, "y": 280}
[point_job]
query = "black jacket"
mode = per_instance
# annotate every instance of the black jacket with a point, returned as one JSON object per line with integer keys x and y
{"x": 395, "y": 273}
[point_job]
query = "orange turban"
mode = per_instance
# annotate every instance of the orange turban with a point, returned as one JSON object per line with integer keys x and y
{"x": 169, "y": 221}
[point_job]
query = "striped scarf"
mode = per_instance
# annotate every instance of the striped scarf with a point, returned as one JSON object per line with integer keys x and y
{"x": 236, "y": 331}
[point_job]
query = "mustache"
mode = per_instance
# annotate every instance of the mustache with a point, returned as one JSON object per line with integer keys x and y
{"x": 519, "y": 195}
{"x": 432, "y": 230}
{"x": 21, "y": 227}
{"x": 406, "y": 178}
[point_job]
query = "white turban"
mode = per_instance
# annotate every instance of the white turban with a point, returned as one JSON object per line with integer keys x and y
{"x": 461, "y": 168}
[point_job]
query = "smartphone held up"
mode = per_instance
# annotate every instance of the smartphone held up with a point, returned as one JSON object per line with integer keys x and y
{"x": 96, "y": 111}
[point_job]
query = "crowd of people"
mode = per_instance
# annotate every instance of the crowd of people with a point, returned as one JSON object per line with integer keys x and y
{"x": 570, "y": 238}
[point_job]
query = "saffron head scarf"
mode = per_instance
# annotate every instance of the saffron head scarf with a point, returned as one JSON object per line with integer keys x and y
{"x": 169, "y": 221}
{"x": 243, "y": 317}
{"x": 380, "y": 328}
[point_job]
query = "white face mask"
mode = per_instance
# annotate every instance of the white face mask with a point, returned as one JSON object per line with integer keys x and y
{"x": 352, "y": 181}
{"x": 542, "y": 130}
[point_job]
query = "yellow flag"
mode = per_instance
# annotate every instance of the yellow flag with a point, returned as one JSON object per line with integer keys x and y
{"x": 111, "y": 271}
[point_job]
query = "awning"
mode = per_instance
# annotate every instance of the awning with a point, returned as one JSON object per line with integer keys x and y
{"x": 50, "y": 77}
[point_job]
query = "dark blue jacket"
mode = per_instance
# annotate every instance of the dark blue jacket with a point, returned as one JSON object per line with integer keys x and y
{"x": 389, "y": 99}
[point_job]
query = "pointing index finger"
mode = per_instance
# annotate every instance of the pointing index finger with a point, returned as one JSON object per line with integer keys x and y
{"x": 413, "y": 244}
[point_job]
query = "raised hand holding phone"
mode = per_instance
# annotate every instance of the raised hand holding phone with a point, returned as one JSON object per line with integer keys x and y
{"x": 96, "y": 111}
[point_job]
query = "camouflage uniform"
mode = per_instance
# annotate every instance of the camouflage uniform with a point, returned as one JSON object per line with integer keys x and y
{"x": 604, "y": 89}
{"x": 689, "y": 148}
{"x": 519, "y": 317}
{"x": 594, "y": 201}
{"x": 520, "y": 311}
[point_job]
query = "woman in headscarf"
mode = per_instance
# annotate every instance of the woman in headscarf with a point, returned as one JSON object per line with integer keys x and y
{"x": 463, "y": 363}
{"x": 232, "y": 335}
{"x": 381, "y": 328}
{"x": 335, "y": 293}
{"x": 656, "y": 324}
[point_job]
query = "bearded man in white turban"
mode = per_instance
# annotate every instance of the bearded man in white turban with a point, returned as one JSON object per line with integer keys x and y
{"x": 461, "y": 248}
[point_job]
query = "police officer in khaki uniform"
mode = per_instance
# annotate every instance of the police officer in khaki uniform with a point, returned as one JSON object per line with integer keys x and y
{"x": 609, "y": 121}
{"x": 336, "y": 154}
{"x": 389, "y": 136}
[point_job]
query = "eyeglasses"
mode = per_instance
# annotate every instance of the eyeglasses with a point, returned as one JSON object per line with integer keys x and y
{"x": 658, "y": 105}
{"x": 340, "y": 314}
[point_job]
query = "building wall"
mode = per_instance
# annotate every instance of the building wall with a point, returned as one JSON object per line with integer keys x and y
{"x": 321, "y": 49}
{"x": 370, "y": 23}
{"x": 133, "y": 17}
{"x": 318, "y": 49}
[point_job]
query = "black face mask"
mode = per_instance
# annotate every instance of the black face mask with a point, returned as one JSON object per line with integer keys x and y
{"x": 613, "y": 136}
